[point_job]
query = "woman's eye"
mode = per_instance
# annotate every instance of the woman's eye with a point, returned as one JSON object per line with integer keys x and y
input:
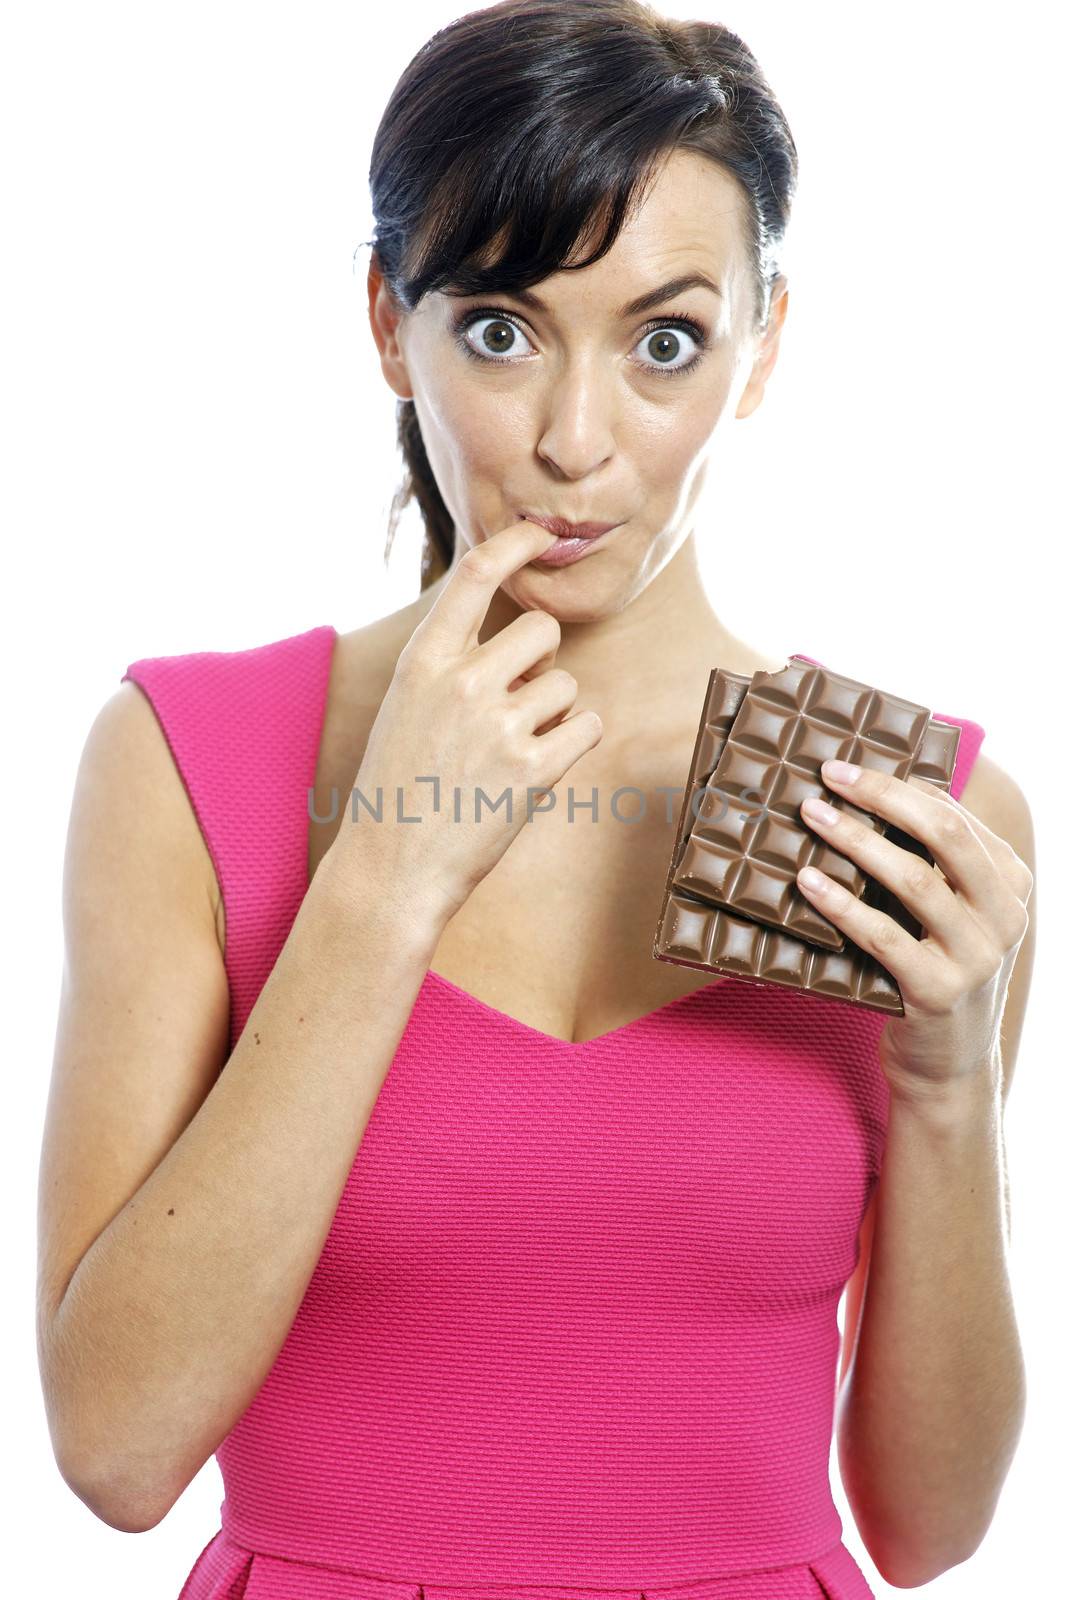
{"x": 499, "y": 337}
{"x": 667, "y": 350}
{"x": 674, "y": 346}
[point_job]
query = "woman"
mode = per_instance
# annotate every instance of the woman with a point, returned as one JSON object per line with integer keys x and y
{"x": 501, "y": 1255}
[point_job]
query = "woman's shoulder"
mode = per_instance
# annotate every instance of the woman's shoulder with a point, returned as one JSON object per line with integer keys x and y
{"x": 224, "y": 665}
{"x": 996, "y": 798}
{"x": 231, "y": 716}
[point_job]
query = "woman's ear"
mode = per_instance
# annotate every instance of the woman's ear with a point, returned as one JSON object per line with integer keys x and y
{"x": 767, "y": 353}
{"x": 386, "y": 318}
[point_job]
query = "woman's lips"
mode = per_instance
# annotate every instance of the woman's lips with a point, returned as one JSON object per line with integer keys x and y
{"x": 569, "y": 530}
{"x": 569, "y": 546}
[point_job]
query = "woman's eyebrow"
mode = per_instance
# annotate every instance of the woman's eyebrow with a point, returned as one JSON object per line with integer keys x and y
{"x": 667, "y": 291}
{"x": 644, "y": 302}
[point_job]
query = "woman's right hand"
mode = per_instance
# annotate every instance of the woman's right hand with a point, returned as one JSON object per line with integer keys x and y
{"x": 451, "y": 714}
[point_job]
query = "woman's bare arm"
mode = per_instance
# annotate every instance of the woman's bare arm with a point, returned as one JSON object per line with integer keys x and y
{"x": 182, "y": 1208}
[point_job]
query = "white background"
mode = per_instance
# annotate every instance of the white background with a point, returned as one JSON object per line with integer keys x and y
{"x": 199, "y": 454}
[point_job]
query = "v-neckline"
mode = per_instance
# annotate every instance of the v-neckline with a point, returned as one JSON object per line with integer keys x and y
{"x": 505, "y": 1018}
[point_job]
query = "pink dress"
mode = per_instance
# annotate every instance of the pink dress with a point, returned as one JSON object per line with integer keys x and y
{"x": 574, "y": 1325}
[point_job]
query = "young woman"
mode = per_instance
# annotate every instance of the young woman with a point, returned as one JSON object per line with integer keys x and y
{"x": 382, "y": 1160}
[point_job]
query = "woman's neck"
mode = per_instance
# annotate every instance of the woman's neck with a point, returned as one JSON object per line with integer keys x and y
{"x": 648, "y": 660}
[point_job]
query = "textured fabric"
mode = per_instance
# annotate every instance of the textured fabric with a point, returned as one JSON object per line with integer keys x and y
{"x": 574, "y": 1325}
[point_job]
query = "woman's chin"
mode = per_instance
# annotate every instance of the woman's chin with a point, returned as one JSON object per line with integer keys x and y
{"x": 565, "y": 596}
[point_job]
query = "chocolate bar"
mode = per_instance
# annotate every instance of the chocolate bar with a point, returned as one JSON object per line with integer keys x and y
{"x": 776, "y": 745}
{"x": 749, "y": 840}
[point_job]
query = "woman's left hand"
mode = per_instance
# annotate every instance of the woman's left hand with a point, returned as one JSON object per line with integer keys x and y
{"x": 971, "y": 904}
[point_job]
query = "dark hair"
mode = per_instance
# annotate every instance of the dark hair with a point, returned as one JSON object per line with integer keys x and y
{"x": 519, "y": 131}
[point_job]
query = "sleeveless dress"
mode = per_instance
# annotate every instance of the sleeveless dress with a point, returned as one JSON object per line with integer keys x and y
{"x": 573, "y": 1329}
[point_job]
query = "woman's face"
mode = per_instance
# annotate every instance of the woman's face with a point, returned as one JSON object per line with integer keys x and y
{"x": 580, "y": 408}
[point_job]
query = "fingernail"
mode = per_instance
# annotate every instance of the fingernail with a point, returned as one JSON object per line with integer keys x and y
{"x": 840, "y": 771}
{"x": 819, "y": 811}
